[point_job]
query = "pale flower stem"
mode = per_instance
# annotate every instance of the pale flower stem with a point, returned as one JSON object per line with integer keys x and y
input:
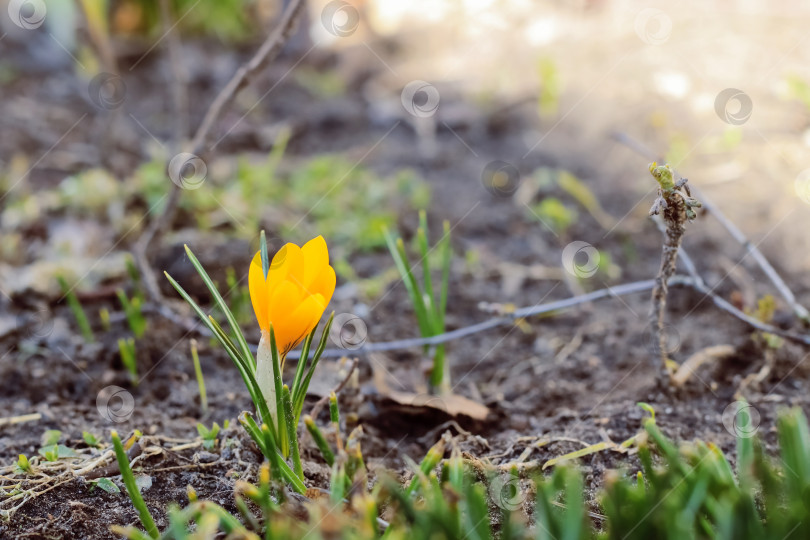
{"x": 264, "y": 375}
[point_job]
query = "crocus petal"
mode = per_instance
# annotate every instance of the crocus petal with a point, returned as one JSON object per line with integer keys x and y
{"x": 298, "y": 287}
{"x": 288, "y": 264}
{"x": 324, "y": 284}
{"x": 294, "y": 327}
{"x": 259, "y": 296}
{"x": 285, "y": 298}
{"x": 316, "y": 256}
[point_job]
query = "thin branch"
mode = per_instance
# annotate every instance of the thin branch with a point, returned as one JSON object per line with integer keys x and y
{"x": 179, "y": 77}
{"x": 243, "y": 76}
{"x": 316, "y": 409}
{"x": 733, "y": 230}
{"x": 619, "y": 290}
{"x": 694, "y": 281}
{"x": 697, "y": 283}
{"x": 675, "y": 206}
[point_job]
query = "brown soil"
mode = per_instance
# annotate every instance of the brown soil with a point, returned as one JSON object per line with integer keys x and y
{"x": 576, "y": 375}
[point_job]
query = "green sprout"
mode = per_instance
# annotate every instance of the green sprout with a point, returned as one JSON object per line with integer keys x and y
{"x": 133, "y": 312}
{"x": 104, "y": 315}
{"x": 430, "y": 307}
{"x": 76, "y": 307}
{"x": 209, "y": 436}
{"x": 199, "y": 374}
{"x": 23, "y": 465}
{"x": 90, "y": 439}
{"x": 132, "y": 487}
{"x": 126, "y": 348}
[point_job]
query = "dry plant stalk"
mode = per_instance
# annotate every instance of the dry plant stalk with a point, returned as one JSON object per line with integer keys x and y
{"x": 675, "y": 205}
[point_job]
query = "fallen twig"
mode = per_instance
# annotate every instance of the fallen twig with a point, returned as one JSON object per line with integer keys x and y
{"x": 693, "y": 281}
{"x": 732, "y": 229}
{"x": 316, "y": 409}
{"x": 675, "y": 205}
{"x": 243, "y": 76}
{"x": 691, "y": 365}
{"x": 10, "y": 420}
{"x": 178, "y": 83}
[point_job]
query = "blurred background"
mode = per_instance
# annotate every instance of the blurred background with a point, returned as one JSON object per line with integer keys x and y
{"x": 529, "y": 125}
{"x": 720, "y": 89}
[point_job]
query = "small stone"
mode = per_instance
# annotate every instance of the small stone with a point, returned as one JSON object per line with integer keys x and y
{"x": 204, "y": 456}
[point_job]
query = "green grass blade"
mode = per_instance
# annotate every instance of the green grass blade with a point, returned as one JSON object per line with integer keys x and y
{"x": 424, "y": 249}
{"x": 292, "y": 431}
{"x": 262, "y": 439}
{"x": 320, "y": 440}
{"x": 445, "y": 253}
{"x": 397, "y": 250}
{"x": 303, "y": 358}
{"x": 240, "y": 338}
{"x": 302, "y": 394}
{"x": 209, "y": 321}
{"x": 195, "y": 357}
{"x": 76, "y": 308}
{"x": 132, "y": 487}
{"x": 264, "y": 256}
{"x": 248, "y": 377}
{"x": 283, "y": 440}
{"x": 422, "y": 312}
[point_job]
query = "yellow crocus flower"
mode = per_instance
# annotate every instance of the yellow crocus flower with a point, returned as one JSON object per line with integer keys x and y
{"x": 298, "y": 287}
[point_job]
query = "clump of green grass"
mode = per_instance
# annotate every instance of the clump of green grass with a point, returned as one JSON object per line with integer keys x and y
{"x": 429, "y": 302}
{"x": 275, "y": 434}
{"x": 681, "y": 492}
